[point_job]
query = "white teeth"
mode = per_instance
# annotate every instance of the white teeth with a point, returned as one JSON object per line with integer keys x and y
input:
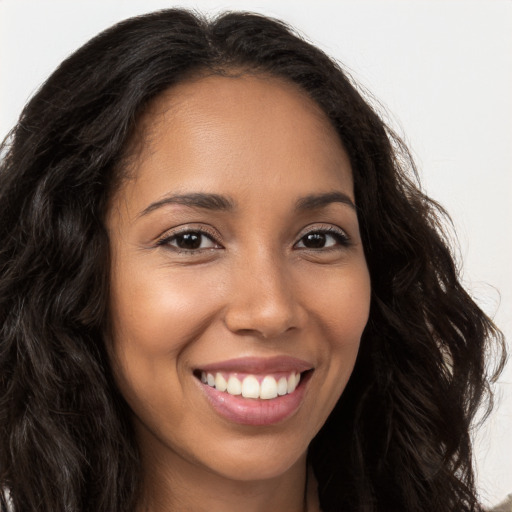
{"x": 234, "y": 386}
{"x": 282, "y": 386}
{"x": 250, "y": 386}
{"x": 268, "y": 388}
{"x": 220, "y": 382}
{"x": 291, "y": 383}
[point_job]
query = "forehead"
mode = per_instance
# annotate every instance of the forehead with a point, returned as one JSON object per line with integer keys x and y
{"x": 232, "y": 98}
{"x": 238, "y": 132}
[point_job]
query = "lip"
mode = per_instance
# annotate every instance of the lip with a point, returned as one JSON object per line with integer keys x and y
{"x": 259, "y": 365}
{"x": 257, "y": 412}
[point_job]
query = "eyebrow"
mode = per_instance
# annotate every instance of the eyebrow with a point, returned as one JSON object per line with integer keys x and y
{"x": 315, "y": 201}
{"x": 194, "y": 200}
{"x": 217, "y": 202}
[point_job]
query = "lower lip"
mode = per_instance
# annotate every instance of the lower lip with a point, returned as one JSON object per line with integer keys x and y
{"x": 251, "y": 411}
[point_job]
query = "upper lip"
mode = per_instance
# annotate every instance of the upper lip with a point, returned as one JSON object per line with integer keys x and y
{"x": 259, "y": 365}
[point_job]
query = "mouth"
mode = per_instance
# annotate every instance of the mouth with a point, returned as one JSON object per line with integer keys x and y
{"x": 254, "y": 391}
{"x": 262, "y": 387}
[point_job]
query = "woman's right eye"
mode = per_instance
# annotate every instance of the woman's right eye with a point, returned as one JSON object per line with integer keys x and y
{"x": 189, "y": 241}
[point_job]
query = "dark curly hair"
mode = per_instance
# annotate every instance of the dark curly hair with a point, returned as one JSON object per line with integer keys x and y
{"x": 399, "y": 437}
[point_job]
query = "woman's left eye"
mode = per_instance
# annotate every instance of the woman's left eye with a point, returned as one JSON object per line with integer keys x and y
{"x": 189, "y": 241}
{"x": 323, "y": 239}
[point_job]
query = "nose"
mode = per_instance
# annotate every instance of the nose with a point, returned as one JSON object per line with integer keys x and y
{"x": 263, "y": 300}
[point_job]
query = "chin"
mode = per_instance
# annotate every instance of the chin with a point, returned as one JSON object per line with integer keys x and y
{"x": 254, "y": 469}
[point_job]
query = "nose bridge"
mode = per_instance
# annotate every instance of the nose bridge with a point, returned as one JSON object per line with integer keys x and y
{"x": 262, "y": 299}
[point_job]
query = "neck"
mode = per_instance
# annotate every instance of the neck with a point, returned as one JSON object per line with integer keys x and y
{"x": 174, "y": 484}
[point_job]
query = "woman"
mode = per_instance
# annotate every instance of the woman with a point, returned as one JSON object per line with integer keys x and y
{"x": 221, "y": 288}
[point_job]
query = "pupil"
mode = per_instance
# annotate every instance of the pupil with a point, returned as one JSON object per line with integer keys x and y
{"x": 315, "y": 240}
{"x": 189, "y": 241}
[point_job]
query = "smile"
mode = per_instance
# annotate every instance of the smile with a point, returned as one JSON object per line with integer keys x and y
{"x": 263, "y": 387}
{"x": 255, "y": 391}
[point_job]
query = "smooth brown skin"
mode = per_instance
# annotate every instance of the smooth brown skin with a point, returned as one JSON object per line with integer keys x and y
{"x": 255, "y": 289}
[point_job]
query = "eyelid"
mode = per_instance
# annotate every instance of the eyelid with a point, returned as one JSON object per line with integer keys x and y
{"x": 163, "y": 240}
{"x": 328, "y": 229}
{"x": 167, "y": 236}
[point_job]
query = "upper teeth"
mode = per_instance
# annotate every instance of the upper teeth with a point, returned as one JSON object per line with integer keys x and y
{"x": 250, "y": 386}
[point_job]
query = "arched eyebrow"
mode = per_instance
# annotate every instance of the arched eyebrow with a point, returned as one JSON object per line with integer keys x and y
{"x": 217, "y": 202}
{"x": 315, "y": 201}
{"x": 193, "y": 200}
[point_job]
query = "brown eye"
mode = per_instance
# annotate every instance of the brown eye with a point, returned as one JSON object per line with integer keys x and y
{"x": 189, "y": 241}
{"x": 314, "y": 240}
{"x": 323, "y": 240}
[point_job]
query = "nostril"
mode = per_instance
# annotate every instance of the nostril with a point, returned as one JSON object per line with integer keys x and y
{"x": 265, "y": 315}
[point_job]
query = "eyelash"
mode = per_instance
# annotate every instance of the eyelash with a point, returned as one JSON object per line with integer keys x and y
{"x": 341, "y": 238}
{"x": 167, "y": 239}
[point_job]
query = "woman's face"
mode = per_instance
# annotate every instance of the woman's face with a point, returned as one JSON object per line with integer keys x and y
{"x": 237, "y": 259}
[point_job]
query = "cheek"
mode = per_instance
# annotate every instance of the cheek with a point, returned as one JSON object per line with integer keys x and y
{"x": 348, "y": 316}
{"x": 159, "y": 312}
{"x": 340, "y": 299}
{"x": 341, "y": 309}
{"x": 155, "y": 318}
